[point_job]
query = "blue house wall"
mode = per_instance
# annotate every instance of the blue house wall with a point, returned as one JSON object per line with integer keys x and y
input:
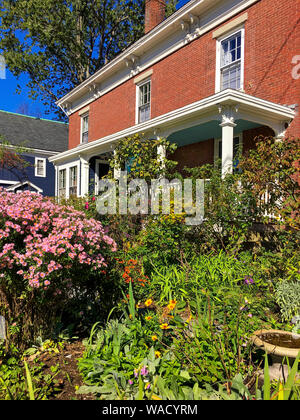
{"x": 46, "y": 184}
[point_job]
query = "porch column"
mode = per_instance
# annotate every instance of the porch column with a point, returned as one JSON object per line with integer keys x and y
{"x": 228, "y": 125}
{"x": 161, "y": 154}
{"x": 227, "y": 147}
{"x": 84, "y": 178}
{"x": 117, "y": 171}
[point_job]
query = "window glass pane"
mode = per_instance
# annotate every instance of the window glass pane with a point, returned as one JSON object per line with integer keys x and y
{"x": 40, "y": 167}
{"x": 144, "y": 102}
{"x": 85, "y": 129}
{"x": 73, "y": 181}
{"x": 62, "y": 183}
{"x": 231, "y": 77}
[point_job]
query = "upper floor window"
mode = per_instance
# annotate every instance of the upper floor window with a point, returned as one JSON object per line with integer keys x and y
{"x": 85, "y": 128}
{"x": 230, "y": 62}
{"x": 144, "y": 100}
{"x": 40, "y": 167}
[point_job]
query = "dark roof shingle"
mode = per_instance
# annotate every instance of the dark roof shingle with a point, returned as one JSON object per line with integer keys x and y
{"x": 33, "y": 132}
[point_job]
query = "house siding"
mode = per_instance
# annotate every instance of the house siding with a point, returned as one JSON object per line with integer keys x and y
{"x": 188, "y": 75}
{"x": 46, "y": 184}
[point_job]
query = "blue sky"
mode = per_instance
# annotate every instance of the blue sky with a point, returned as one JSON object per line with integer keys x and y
{"x": 13, "y": 102}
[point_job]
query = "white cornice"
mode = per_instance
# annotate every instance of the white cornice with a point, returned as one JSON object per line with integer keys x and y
{"x": 188, "y": 17}
{"x": 259, "y": 110}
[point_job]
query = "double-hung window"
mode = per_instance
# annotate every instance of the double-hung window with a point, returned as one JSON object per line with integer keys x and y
{"x": 85, "y": 128}
{"x": 144, "y": 101}
{"x": 73, "y": 181}
{"x": 62, "y": 183}
{"x": 40, "y": 167}
{"x": 230, "y": 61}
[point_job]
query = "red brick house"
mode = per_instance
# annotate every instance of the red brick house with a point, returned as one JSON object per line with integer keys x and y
{"x": 213, "y": 75}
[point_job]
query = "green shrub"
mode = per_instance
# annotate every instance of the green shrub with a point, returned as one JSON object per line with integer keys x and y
{"x": 288, "y": 298}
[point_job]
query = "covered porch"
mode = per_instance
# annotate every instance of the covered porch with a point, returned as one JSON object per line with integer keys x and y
{"x": 204, "y": 131}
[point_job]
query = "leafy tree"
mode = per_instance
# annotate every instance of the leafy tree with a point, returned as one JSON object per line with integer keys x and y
{"x": 12, "y": 161}
{"x": 60, "y": 43}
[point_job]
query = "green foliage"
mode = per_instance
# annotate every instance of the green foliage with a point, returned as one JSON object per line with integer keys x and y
{"x": 19, "y": 381}
{"x": 139, "y": 156}
{"x": 230, "y": 210}
{"x": 288, "y": 298}
{"x": 290, "y": 390}
{"x": 59, "y": 44}
{"x": 279, "y": 176}
{"x": 219, "y": 274}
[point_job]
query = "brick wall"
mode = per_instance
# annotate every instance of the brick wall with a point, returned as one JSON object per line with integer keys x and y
{"x": 188, "y": 75}
{"x": 194, "y": 155}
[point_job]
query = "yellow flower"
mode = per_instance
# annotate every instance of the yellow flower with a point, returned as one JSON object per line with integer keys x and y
{"x": 172, "y": 304}
{"x": 164, "y": 326}
{"x": 155, "y": 397}
{"x": 189, "y": 319}
{"x": 147, "y": 318}
{"x": 154, "y": 337}
{"x": 157, "y": 354}
{"x": 148, "y": 302}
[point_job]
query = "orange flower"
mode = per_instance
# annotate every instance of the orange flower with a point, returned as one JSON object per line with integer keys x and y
{"x": 154, "y": 338}
{"x": 147, "y": 318}
{"x": 164, "y": 326}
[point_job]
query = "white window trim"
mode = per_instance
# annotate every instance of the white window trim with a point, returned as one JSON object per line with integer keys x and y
{"x": 217, "y": 141}
{"x": 137, "y": 98}
{"x": 82, "y": 116}
{"x": 218, "y": 56}
{"x": 44, "y": 165}
{"x": 67, "y": 167}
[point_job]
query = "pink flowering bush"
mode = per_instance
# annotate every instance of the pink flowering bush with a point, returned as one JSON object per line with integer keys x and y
{"x": 49, "y": 252}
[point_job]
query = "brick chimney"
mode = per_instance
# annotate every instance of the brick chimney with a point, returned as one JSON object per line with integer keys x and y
{"x": 155, "y": 12}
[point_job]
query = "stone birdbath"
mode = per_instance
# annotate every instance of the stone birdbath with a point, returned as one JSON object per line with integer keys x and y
{"x": 279, "y": 345}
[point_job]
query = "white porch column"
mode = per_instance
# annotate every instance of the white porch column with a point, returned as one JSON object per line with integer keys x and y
{"x": 161, "y": 154}
{"x": 228, "y": 125}
{"x": 85, "y": 172}
{"x": 117, "y": 171}
{"x": 227, "y": 147}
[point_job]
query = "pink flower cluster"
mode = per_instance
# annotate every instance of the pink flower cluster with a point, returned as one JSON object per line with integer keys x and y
{"x": 43, "y": 241}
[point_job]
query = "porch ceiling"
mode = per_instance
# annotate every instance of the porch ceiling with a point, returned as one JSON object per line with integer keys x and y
{"x": 207, "y": 131}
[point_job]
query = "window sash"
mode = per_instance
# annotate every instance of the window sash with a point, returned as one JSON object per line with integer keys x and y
{"x": 231, "y": 62}
{"x": 144, "y": 101}
{"x": 62, "y": 182}
{"x": 73, "y": 181}
{"x": 40, "y": 167}
{"x": 231, "y": 76}
{"x": 85, "y": 129}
